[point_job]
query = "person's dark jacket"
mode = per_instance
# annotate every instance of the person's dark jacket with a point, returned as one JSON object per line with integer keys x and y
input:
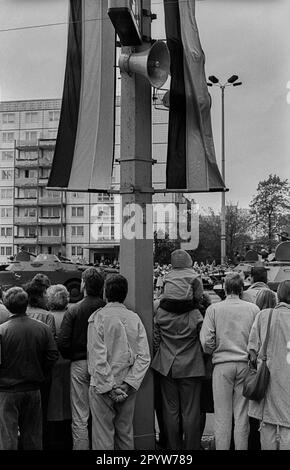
{"x": 72, "y": 340}
{"x": 28, "y": 351}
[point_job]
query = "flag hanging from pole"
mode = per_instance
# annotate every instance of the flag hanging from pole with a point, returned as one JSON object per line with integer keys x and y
{"x": 191, "y": 160}
{"x": 84, "y": 152}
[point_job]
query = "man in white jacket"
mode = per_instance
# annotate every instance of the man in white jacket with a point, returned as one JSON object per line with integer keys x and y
{"x": 224, "y": 334}
{"x": 118, "y": 358}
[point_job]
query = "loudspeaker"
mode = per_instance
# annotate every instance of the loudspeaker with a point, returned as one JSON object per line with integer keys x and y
{"x": 153, "y": 63}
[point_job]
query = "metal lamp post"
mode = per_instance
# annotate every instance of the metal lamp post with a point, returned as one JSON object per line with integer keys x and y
{"x": 232, "y": 81}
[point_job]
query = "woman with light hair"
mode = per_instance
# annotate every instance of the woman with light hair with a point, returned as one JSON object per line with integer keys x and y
{"x": 273, "y": 411}
{"x": 59, "y": 410}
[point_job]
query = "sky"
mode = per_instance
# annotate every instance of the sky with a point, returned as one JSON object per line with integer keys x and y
{"x": 249, "y": 38}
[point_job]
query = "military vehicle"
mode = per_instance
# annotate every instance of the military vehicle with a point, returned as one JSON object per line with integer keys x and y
{"x": 278, "y": 269}
{"x": 23, "y": 268}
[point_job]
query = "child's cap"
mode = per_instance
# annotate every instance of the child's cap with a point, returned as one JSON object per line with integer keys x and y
{"x": 181, "y": 259}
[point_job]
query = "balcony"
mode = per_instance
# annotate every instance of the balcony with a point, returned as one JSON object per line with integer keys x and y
{"x": 49, "y": 240}
{"x": 21, "y": 240}
{"x": 19, "y": 163}
{"x": 25, "y": 220}
{"x": 25, "y": 202}
{"x": 47, "y": 144}
{"x": 49, "y": 201}
{"x": 25, "y": 182}
{"x": 42, "y": 181}
{"x": 27, "y": 144}
{"x": 49, "y": 221}
{"x": 45, "y": 162}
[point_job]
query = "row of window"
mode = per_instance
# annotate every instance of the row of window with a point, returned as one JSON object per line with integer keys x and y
{"x": 6, "y": 250}
{"x": 31, "y": 117}
{"x": 33, "y": 136}
{"x": 6, "y": 232}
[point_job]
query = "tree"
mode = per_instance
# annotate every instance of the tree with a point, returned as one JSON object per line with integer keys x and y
{"x": 238, "y": 233}
{"x": 270, "y": 208}
{"x": 163, "y": 247}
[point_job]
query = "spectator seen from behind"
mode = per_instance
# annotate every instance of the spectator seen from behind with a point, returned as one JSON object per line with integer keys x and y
{"x": 59, "y": 409}
{"x": 225, "y": 334}
{"x": 72, "y": 342}
{"x": 118, "y": 358}
{"x": 4, "y": 314}
{"x": 274, "y": 412}
{"x": 258, "y": 281}
{"x": 28, "y": 351}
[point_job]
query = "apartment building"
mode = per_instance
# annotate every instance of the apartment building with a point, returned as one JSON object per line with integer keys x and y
{"x": 78, "y": 225}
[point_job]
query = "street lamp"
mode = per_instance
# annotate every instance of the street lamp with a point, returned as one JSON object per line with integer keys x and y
{"x": 232, "y": 81}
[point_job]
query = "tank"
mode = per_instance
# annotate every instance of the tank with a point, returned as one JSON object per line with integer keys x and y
{"x": 279, "y": 268}
{"x": 24, "y": 268}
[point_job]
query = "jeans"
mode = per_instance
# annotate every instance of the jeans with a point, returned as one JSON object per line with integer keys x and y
{"x": 181, "y": 412}
{"x": 20, "y": 410}
{"x": 80, "y": 407}
{"x": 112, "y": 422}
{"x": 228, "y": 402}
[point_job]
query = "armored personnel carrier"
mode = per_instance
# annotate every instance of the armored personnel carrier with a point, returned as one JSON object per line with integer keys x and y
{"x": 20, "y": 271}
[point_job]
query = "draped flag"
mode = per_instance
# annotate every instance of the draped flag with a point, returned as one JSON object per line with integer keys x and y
{"x": 191, "y": 161}
{"x": 84, "y": 152}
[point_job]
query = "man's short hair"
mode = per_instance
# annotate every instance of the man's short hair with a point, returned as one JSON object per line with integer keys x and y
{"x": 234, "y": 284}
{"x": 259, "y": 274}
{"x": 116, "y": 288}
{"x": 93, "y": 281}
{"x": 15, "y": 300}
{"x": 283, "y": 291}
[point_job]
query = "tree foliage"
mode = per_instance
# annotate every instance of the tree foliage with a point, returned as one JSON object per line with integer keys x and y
{"x": 270, "y": 208}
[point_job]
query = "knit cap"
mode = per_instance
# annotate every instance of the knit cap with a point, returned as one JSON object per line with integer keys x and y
{"x": 181, "y": 259}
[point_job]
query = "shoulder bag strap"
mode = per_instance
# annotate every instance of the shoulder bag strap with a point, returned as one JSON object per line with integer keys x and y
{"x": 264, "y": 354}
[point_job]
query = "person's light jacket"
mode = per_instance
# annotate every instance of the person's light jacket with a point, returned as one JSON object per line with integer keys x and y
{"x": 226, "y": 329}
{"x": 275, "y": 409}
{"x": 118, "y": 349}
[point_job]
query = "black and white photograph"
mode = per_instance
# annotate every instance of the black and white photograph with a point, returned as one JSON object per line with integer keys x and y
{"x": 144, "y": 229}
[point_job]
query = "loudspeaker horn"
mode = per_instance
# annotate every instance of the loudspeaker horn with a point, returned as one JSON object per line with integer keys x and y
{"x": 153, "y": 63}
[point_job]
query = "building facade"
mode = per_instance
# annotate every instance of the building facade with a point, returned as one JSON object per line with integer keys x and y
{"x": 78, "y": 225}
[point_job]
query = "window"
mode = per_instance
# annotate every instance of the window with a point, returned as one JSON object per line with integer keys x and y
{"x": 77, "y": 231}
{"x": 8, "y": 250}
{"x": 6, "y": 212}
{"x": 77, "y": 251}
{"x": 6, "y": 174}
{"x": 6, "y": 193}
{"x": 54, "y": 115}
{"x": 31, "y": 135}
{"x": 105, "y": 197}
{"x": 30, "y": 174}
{"x": 77, "y": 211}
{"x": 32, "y": 117}
{"x": 6, "y": 231}
{"x": 29, "y": 212}
{"x": 2, "y": 251}
{"x": 8, "y": 118}
{"x": 7, "y": 156}
{"x": 53, "y": 232}
{"x": 52, "y": 134}
{"x": 30, "y": 232}
{"x": 8, "y": 137}
{"x": 50, "y": 212}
